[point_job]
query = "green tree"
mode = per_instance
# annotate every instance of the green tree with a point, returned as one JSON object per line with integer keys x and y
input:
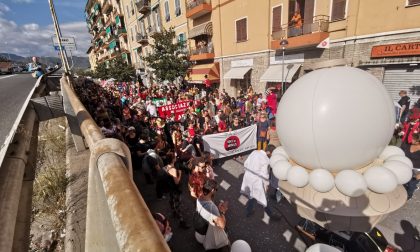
{"x": 101, "y": 71}
{"x": 168, "y": 58}
{"x": 120, "y": 70}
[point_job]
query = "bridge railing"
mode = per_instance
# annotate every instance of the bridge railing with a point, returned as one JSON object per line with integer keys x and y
{"x": 117, "y": 217}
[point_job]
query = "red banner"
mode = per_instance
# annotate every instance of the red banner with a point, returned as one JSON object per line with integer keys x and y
{"x": 178, "y": 109}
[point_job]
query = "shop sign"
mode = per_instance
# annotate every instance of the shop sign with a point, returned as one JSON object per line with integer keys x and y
{"x": 396, "y": 50}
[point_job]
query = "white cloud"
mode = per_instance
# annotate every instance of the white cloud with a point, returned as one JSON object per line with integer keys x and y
{"x": 23, "y": 1}
{"x": 3, "y": 8}
{"x": 35, "y": 40}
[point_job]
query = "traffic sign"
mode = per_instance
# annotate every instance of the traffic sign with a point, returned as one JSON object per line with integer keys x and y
{"x": 68, "y": 43}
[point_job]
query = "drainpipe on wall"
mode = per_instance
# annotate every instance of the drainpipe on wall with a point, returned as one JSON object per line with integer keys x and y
{"x": 221, "y": 48}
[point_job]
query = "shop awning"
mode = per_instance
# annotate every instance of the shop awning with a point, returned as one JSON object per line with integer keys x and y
{"x": 206, "y": 28}
{"x": 274, "y": 73}
{"x": 237, "y": 73}
{"x": 196, "y": 75}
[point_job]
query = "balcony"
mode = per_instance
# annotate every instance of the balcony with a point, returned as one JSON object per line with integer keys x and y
{"x": 143, "y": 6}
{"x": 198, "y": 8}
{"x": 202, "y": 53}
{"x": 310, "y": 34}
{"x": 139, "y": 65}
{"x": 142, "y": 38}
{"x": 107, "y": 6}
{"x": 152, "y": 30}
{"x": 121, "y": 32}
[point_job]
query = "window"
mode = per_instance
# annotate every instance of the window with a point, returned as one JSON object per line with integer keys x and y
{"x": 177, "y": 8}
{"x": 182, "y": 39}
{"x": 132, "y": 34}
{"x": 128, "y": 11}
{"x": 338, "y": 10}
{"x": 132, "y": 8}
{"x": 276, "y": 15}
{"x": 241, "y": 30}
{"x": 167, "y": 15}
{"x": 413, "y": 2}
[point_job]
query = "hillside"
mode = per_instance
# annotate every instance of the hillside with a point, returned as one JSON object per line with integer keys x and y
{"x": 79, "y": 62}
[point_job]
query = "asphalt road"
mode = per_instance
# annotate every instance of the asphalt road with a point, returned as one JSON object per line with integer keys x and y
{"x": 14, "y": 89}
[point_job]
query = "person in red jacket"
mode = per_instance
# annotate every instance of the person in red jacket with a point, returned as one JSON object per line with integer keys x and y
{"x": 207, "y": 84}
{"x": 272, "y": 101}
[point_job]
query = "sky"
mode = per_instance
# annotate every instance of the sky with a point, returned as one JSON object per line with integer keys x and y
{"x": 26, "y": 26}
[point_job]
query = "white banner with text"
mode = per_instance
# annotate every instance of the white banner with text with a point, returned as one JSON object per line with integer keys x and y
{"x": 231, "y": 143}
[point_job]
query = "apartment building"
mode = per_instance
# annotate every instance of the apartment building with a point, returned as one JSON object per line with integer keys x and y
{"x": 173, "y": 13}
{"x": 105, "y": 20}
{"x": 200, "y": 17}
{"x": 381, "y": 37}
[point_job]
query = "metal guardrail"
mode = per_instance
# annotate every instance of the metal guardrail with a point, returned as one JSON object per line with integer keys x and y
{"x": 117, "y": 218}
{"x": 320, "y": 24}
{"x": 17, "y": 172}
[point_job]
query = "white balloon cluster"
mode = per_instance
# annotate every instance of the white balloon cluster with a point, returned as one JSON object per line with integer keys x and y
{"x": 396, "y": 169}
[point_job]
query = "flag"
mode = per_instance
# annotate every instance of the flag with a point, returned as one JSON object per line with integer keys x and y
{"x": 324, "y": 43}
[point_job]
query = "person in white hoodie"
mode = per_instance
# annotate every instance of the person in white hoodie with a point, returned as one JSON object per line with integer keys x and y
{"x": 256, "y": 179}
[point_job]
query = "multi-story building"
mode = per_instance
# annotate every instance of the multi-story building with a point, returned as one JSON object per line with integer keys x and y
{"x": 105, "y": 20}
{"x": 173, "y": 13}
{"x": 200, "y": 17}
{"x": 381, "y": 37}
{"x": 92, "y": 57}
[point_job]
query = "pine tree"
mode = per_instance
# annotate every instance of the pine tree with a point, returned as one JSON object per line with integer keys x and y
{"x": 101, "y": 71}
{"x": 168, "y": 58}
{"x": 121, "y": 71}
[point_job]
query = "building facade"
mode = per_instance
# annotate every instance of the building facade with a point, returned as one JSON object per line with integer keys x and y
{"x": 247, "y": 37}
{"x": 105, "y": 20}
{"x": 200, "y": 16}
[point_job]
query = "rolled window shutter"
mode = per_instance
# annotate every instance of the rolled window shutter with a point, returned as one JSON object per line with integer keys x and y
{"x": 338, "y": 9}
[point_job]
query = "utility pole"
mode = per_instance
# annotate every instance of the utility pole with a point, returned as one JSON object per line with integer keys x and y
{"x": 63, "y": 53}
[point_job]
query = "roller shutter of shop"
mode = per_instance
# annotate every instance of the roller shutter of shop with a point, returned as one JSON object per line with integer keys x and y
{"x": 397, "y": 79}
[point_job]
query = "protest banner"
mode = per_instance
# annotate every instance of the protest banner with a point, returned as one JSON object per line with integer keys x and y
{"x": 231, "y": 143}
{"x": 178, "y": 109}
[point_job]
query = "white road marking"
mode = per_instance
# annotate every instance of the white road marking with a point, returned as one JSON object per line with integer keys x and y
{"x": 8, "y": 76}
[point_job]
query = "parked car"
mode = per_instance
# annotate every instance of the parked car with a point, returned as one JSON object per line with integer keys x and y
{"x": 373, "y": 241}
{"x": 17, "y": 69}
{"x": 6, "y": 68}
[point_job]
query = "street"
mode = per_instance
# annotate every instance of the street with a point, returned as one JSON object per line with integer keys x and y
{"x": 14, "y": 89}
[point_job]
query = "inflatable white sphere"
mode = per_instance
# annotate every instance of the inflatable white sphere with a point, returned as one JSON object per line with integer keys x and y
{"x": 321, "y": 180}
{"x": 277, "y": 157}
{"x": 401, "y": 170}
{"x": 281, "y": 169}
{"x": 280, "y": 150}
{"x": 403, "y": 159}
{"x": 391, "y": 151}
{"x": 380, "y": 180}
{"x": 240, "y": 246}
{"x": 335, "y": 118}
{"x": 350, "y": 183}
{"x": 298, "y": 176}
{"x": 319, "y": 247}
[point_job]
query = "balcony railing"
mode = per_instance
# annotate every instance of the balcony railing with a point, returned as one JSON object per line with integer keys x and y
{"x": 202, "y": 50}
{"x": 320, "y": 24}
{"x": 198, "y": 8}
{"x": 120, "y": 31}
{"x": 152, "y": 30}
{"x": 143, "y": 6}
{"x": 142, "y": 38}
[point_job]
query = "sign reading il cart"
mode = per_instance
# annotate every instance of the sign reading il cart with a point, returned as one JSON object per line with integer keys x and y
{"x": 68, "y": 43}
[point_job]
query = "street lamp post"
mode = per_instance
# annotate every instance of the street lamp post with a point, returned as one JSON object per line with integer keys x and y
{"x": 283, "y": 44}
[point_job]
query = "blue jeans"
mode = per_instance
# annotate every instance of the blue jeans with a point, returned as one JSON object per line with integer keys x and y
{"x": 411, "y": 187}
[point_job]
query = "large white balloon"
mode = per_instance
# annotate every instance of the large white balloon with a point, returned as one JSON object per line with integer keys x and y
{"x": 281, "y": 169}
{"x": 277, "y": 157}
{"x": 298, "y": 176}
{"x": 280, "y": 150}
{"x": 400, "y": 158}
{"x": 391, "y": 151}
{"x": 380, "y": 180}
{"x": 401, "y": 170}
{"x": 336, "y": 118}
{"x": 240, "y": 246}
{"x": 319, "y": 247}
{"x": 321, "y": 180}
{"x": 350, "y": 183}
